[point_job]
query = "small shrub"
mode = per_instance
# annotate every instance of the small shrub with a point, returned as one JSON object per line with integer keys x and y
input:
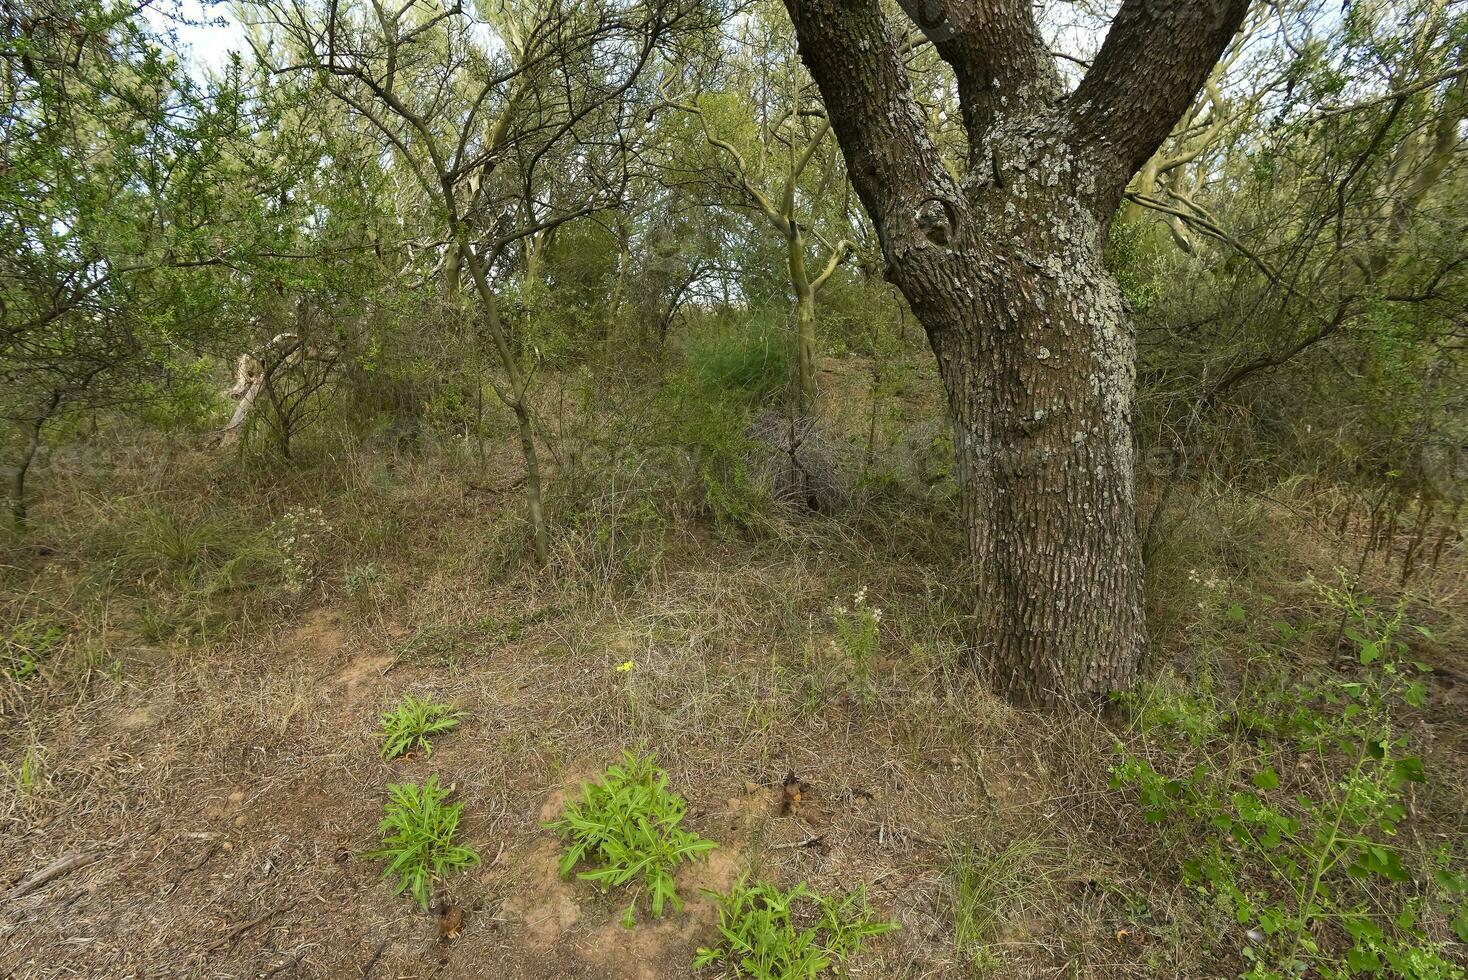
{"x": 629, "y": 829}
{"x": 613, "y": 542}
{"x": 363, "y": 581}
{"x": 298, "y": 536}
{"x": 703, "y": 433}
{"x": 409, "y": 725}
{"x": 215, "y": 551}
{"x": 418, "y": 831}
{"x": 857, "y": 637}
{"x": 771, "y": 934}
{"x": 748, "y": 360}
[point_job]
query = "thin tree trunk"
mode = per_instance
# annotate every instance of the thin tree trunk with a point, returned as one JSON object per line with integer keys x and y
{"x": 451, "y": 274}
{"x": 251, "y": 377}
{"x": 17, "y": 480}
{"x": 231, "y": 433}
{"x": 19, "y": 514}
{"x": 805, "y": 334}
{"x": 514, "y": 397}
{"x": 540, "y": 538}
{"x": 619, "y": 284}
{"x": 876, "y": 401}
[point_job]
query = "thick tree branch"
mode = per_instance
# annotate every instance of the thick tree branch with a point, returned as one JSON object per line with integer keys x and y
{"x": 996, "y": 52}
{"x": 1149, "y": 70}
{"x": 893, "y": 163}
{"x": 842, "y": 250}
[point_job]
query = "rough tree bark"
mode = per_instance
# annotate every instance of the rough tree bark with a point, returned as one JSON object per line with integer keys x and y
{"x": 252, "y": 375}
{"x": 1004, "y": 269}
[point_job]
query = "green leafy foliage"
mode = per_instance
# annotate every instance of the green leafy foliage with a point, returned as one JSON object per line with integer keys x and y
{"x": 772, "y": 934}
{"x": 749, "y": 361}
{"x": 709, "y": 426}
{"x": 628, "y": 827}
{"x": 418, "y": 830}
{"x": 409, "y": 725}
{"x": 1288, "y": 805}
{"x": 25, "y": 646}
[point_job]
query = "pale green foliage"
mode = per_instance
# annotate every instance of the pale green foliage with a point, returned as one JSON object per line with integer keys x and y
{"x": 362, "y": 580}
{"x": 629, "y": 828}
{"x": 28, "y": 774}
{"x": 761, "y": 935}
{"x": 418, "y": 831}
{"x": 409, "y": 725}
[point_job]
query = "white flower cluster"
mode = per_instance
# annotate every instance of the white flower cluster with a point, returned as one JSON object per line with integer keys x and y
{"x": 857, "y": 636}
{"x": 1211, "y": 582}
{"x": 862, "y": 609}
{"x": 299, "y": 536}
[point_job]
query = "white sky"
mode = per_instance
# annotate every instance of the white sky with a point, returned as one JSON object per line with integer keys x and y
{"x": 206, "y": 33}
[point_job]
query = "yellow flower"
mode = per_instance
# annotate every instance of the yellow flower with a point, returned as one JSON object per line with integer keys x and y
{"x": 625, "y": 668}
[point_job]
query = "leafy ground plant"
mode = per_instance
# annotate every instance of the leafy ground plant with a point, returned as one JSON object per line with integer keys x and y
{"x": 628, "y": 827}
{"x": 25, "y": 646}
{"x": 418, "y": 830}
{"x": 1286, "y": 805}
{"x": 409, "y": 725}
{"x": 771, "y": 934}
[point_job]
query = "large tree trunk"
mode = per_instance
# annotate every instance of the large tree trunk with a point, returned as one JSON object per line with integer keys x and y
{"x": 1004, "y": 270}
{"x": 1038, "y": 367}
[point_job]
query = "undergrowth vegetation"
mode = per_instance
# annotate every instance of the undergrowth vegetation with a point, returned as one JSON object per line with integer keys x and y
{"x": 1284, "y": 798}
{"x": 770, "y": 933}
{"x": 1290, "y": 803}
